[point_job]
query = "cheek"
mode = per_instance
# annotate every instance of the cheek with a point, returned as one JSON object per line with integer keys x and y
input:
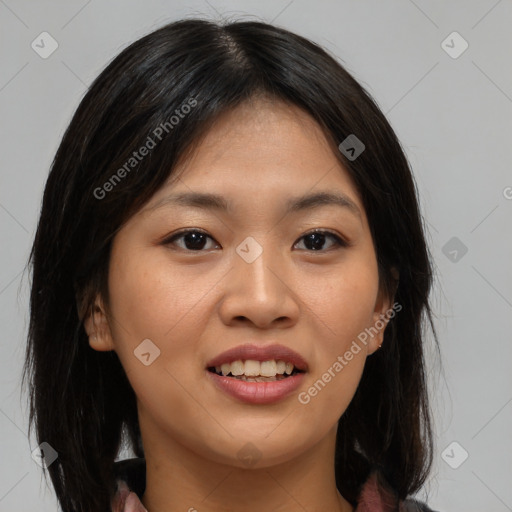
{"x": 345, "y": 310}
{"x": 152, "y": 300}
{"x": 345, "y": 303}
{"x": 148, "y": 293}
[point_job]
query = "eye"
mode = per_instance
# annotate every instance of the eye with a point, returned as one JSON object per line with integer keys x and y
{"x": 315, "y": 240}
{"x": 196, "y": 240}
{"x": 193, "y": 240}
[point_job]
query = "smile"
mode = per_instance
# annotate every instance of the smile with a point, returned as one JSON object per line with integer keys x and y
{"x": 256, "y": 371}
{"x": 257, "y": 374}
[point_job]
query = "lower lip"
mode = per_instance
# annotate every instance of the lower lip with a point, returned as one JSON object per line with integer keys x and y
{"x": 257, "y": 392}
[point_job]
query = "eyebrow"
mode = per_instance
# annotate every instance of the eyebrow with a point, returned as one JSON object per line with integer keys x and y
{"x": 211, "y": 201}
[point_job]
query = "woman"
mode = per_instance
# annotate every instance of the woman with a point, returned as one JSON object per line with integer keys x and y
{"x": 230, "y": 268}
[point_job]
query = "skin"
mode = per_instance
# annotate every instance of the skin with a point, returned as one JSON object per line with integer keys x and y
{"x": 194, "y": 305}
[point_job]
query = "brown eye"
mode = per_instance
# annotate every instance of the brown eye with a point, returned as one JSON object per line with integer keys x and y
{"x": 316, "y": 240}
{"x": 191, "y": 240}
{"x": 195, "y": 240}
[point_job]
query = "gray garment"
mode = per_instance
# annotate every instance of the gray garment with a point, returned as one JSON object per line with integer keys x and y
{"x": 412, "y": 505}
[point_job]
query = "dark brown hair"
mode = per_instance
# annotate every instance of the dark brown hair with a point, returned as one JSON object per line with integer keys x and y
{"x": 80, "y": 399}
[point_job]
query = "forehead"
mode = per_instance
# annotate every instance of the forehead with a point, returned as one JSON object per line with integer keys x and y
{"x": 263, "y": 149}
{"x": 266, "y": 137}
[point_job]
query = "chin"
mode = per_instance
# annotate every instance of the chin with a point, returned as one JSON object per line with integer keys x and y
{"x": 249, "y": 451}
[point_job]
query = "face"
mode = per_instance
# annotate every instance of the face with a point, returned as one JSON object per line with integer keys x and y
{"x": 190, "y": 280}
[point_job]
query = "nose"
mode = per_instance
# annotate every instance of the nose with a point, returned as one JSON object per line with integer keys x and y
{"x": 260, "y": 293}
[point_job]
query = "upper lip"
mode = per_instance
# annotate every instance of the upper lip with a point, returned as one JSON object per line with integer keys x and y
{"x": 260, "y": 353}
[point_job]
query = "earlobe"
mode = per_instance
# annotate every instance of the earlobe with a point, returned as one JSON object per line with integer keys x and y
{"x": 97, "y": 327}
{"x": 380, "y": 322}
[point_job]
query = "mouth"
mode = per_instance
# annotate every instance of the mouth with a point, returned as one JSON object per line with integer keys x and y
{"x": 257, "y": 374}
{"x": 251, "y": 370}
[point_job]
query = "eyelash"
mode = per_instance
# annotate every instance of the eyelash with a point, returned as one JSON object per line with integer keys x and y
{"x": 340, "y": 242}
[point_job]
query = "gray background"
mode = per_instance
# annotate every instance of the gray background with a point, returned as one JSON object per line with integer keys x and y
{"x": 454, "y": 118}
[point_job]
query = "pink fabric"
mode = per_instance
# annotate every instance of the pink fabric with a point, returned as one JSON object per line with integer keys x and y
{"x": 373, "y": 498}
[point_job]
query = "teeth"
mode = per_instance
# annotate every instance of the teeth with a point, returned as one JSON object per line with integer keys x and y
{"x": 258, "y": 379}
{"x": 251, "y": 368}
{"x": 268, "y": 369}
{"x": 237, "y": 368}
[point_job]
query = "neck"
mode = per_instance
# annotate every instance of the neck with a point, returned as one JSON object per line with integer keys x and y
{"x": 178, "y": 479}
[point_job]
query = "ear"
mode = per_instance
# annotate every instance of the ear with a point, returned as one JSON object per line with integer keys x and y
{"x": 97, "y": 327}
{"x": 381, "y": 314}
